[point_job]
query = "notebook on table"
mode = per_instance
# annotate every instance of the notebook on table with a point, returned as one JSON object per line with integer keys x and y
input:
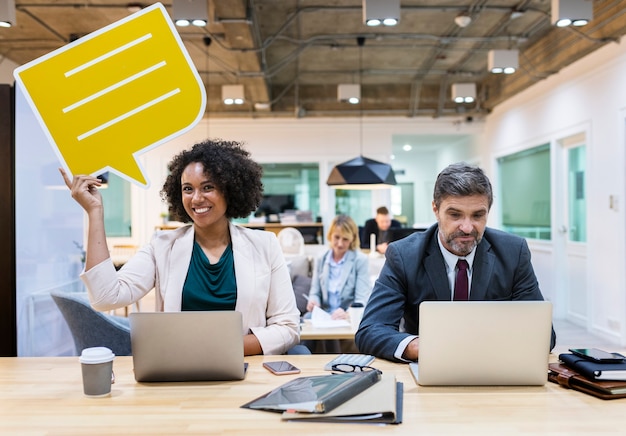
{"x": 187, "y": 346}
{"x": 497, "y": 343}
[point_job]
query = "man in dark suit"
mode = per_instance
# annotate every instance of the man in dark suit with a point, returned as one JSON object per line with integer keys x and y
{"x": 422, "y": 266}
{"x": 379, "y": 226}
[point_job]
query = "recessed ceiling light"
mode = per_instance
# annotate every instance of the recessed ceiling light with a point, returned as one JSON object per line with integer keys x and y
{"x": 262, "y": 106}
{"x": 463, "y": 19}
{"x": 134, "y": 7}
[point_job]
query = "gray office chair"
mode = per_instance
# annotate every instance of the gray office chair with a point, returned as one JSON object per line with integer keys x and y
{"x": 91, "y": 328}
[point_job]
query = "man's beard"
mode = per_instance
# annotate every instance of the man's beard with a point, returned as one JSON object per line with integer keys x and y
{"x": 462, "y": 248}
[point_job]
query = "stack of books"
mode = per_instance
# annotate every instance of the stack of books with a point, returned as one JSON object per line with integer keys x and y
{"x": 606, "y": 380}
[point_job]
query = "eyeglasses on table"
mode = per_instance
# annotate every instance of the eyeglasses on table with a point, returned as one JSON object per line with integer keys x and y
{"x": 348, "y": 367}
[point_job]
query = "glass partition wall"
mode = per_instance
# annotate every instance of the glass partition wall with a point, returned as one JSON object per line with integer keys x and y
{"x": 288, "y": 187}
{"x": 525, "y": 191}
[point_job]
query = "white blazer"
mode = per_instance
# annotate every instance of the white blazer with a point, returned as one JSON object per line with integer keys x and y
{"x": 265, "y": 295}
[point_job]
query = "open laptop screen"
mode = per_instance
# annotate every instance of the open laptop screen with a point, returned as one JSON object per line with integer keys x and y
{"x": 187, "y": 346}
{"x": 484, "y": 342}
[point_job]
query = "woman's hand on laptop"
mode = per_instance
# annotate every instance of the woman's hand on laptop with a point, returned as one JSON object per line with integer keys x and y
{"x": 411, "y": 352}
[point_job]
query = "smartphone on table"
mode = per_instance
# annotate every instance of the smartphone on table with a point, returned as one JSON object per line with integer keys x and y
{"x": 597, "y": 355}
{"x": 281, "y": 367}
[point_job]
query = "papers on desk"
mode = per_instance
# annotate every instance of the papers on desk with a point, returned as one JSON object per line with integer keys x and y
{"x": 322, "y": 319}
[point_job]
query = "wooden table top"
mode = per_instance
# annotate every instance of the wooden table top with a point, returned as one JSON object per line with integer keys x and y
{"x": 43, "y": 396}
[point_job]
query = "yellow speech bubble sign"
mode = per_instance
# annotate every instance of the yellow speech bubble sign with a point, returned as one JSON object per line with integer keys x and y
{"x": 115, "y": 93}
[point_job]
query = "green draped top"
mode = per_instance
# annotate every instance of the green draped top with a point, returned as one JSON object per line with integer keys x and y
{"x": 210, "y": 287}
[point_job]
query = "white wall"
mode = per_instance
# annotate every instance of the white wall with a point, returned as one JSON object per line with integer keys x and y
{"x": 421, "y": 168}
{"x": 588, "y": 96}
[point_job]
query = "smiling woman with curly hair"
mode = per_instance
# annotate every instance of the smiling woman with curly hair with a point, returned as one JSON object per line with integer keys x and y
{"x": 232, "y": 172}
{"x": 208, "y": 264}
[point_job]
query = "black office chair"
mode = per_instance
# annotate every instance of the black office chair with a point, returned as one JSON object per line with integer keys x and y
{"x": 91, "y": 328}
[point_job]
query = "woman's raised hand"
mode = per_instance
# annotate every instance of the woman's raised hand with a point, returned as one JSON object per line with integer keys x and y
{"x": 84, "y": 190}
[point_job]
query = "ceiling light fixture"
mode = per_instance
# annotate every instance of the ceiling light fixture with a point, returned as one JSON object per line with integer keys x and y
{"x": 463, "y": 92}
{"x": 7, "y": 13}
{"x": 377, "y": 12}
{"x": 232, "y": 94}
{"x": 463, "y": 19}
{"x": 134, "y": 7}
{"x": 516, "y": 14}
{"x": 262, "y": 106}
{"x": 349, "y": 92}
{"x": 503, "y": 61}
{"x": 571, "y": 12}
{"x": 190, "y": 12}
{"x": 361, "y": 172}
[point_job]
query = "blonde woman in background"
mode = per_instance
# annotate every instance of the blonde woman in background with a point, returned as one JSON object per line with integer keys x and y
{"x": 340, "y": 276}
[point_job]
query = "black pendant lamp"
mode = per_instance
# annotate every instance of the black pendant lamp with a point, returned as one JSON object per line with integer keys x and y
{"x": 361, "y": 172}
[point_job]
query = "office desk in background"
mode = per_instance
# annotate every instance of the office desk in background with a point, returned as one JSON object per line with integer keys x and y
{"x": 43, "y": 395}
{"x": 313, "y": 233}
{"x": 308, "y": 332}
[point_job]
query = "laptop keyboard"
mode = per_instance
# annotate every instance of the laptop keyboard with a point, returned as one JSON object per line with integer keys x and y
{"x": 351, "y": 359}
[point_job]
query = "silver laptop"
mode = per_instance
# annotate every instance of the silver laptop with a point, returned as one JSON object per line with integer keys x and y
{"x": 483, "y": 343}
{"x": 187, "y": 346}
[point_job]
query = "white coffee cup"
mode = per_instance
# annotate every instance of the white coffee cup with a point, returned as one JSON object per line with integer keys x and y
{"x": 97, "y": 369}
{"x": 356, "y": 313}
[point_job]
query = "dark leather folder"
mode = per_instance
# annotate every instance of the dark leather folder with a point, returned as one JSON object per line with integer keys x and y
{"x": 595, "y": 370}
{"x": 569, "y": 378}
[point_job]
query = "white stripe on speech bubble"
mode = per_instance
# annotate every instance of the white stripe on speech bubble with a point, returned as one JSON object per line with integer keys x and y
{"x": 113, "y": 87}
{"x": 128, "y": 114}
{"x": 108, "y": 55}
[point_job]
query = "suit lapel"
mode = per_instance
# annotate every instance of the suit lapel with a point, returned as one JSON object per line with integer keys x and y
{"x": 244, "y": 270}
{"x": 180, "y": 257}
{"x": 483, "y": 268}
{"x": 323, "y": 276}
{"x": 436, "y": 270}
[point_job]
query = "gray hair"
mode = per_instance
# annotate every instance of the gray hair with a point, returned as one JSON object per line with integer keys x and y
{"x": 461, "y": 180}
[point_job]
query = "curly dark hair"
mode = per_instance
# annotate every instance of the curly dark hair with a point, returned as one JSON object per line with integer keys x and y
{"x": 231, "y": 170}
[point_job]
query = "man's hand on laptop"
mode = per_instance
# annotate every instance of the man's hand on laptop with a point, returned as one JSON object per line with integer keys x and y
{"x": 411, "y": 352}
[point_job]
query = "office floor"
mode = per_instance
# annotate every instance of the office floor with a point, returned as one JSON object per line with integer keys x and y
{"x": 569, "y": 335}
